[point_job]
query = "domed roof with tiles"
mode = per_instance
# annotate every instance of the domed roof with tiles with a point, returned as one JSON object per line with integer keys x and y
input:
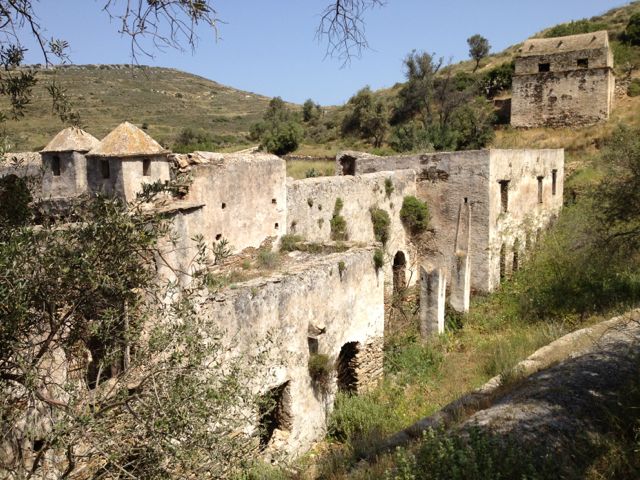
{"x": 127, "y": 140}
{"x": 72, "y": 139}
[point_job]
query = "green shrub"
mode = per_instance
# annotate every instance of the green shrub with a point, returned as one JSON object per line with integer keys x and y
{"x": 632, "y": 32}
{"x": 289, "y": 242}
{"x": 414, "y": 214}
{"x": 320, "y": 367}
{"x": 341, "y": 268}
{"x": 388, "y": 187}
{"x": 634, "y": 88}
{"x": 282, "y": 139}
{"x": 381, "y": 222}
{"x": 498, "y": 79}
{"x": 409, "y": 137}
{"x": 338, "y": 222}
{"x": 378, "y": 259}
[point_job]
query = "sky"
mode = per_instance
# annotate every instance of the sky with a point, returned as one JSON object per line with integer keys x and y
{"x": 269, "y": 47}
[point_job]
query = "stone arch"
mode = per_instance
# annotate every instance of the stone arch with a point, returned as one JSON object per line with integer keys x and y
{"x": 274, "y": 412}
{"x": 347, "y": 367}
{"x": 348, "y": 164}
{"x": 399, "y": 271}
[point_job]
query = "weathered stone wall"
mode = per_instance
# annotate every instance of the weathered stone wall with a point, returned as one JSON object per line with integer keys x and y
{"x": 24, "y": 165}
{"x": 311, "y": 202}
{"x": 573, "y": 97}
{"x": 285, "y": 309}
{"x": 72, "y": 180}
{"x": 565, "y": 61}
{"x": 526, "y": 216}
{"x": 448, "y": 182}
{"x": 244, "y": 199}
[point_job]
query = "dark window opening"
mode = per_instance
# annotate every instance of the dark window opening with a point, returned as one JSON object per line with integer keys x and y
{"x": 504, "y": 195}
{"x": 55, "y": 166}
{"x": 540, "y": 199}
{"x": 516, "y": 255}
{"x": 466, "y": 200}
{"x": 146, "y": 166}
{"x": 276, "y": 226}
{"x": 313, "y": 345}
{"x": 347, "y": 367}
{"x": 544, "y": 67}
{"x": 348, "y": 165}
{"x": 274, "y": 412}
{"x": 218, "y": 236}
{"x": 224, "y": 205}
{"x": 554, "y": 180}
{"x": 583, "y": 63}
{"x": 399, "y": 272}
{"x": 503, "y": 262}
{"x": 274, "y": 201}
{"x": 104, "y": 168}
{"x": 107, "y": 360}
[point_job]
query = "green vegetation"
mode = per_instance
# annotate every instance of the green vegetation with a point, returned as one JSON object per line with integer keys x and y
{"x": 634, "y": 88}
{"x": 289, "y": 242}
{"x": 632, "y": 32}
{"x": 320, "y": 367}
{"x": 414, "y": 214}
{"x": 478, "y": 49}
{"x": 366, "y": 117}
{"x": 575, "y": 28}
{"x": 388, "y": 187}
{"x": 378, "y": 259}
{"x": 341, "y": 268}
{"x": 268, "y": 259}
{"x": 279, "y": 132}
{"x": 381, "y": 223}
{"x": 338, "y": 222}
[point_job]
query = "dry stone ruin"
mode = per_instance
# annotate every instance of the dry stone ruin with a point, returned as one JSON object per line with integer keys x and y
{"x": 563, "y": 81}
{"x": 487, "y": 209}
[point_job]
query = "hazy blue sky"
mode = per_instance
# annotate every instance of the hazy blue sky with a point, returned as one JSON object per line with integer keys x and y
{"x": 268, "y": 47}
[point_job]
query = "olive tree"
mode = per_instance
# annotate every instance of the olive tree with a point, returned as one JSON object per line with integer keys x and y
{"x": 478, "y": 49}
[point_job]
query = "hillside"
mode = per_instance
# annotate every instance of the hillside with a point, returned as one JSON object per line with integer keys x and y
{"x": 164, "y": 99}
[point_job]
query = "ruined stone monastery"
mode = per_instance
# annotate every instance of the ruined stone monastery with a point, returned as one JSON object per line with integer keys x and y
{"x": 487, "y": 210}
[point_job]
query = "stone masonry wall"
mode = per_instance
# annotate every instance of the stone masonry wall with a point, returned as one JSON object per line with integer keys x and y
{"x": 244, "y": 199}
{"x": 311, "y": 202}
{"x": 284, "y": 309}
{"x": 577, "y": 97}
{"x": 526, "y": 216}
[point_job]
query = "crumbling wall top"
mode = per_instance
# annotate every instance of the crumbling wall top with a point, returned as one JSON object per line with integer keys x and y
{"x": 570, "y": 43}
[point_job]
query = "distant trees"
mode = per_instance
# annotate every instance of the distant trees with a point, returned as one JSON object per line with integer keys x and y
{"x": 439, "y": 109}
{"x": 478, "y": 49}
{"x": 367, "y": 117}
{"x": 311, "y": 111}
{"x": 279, "y": 131}
{"x": 632, "y": 32}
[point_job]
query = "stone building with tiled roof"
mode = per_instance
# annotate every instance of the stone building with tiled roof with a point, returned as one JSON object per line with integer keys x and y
{"x": 563, "y": 81}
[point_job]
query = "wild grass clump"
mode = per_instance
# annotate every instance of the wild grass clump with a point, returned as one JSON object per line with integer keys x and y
{"x": 320, "y": 368}
{"x": 289, "y": 242}
{"x": 381, "y": 223}
{"x": 268, "y": 260}
{"x": 414, "y": 214}
{"x": 378, "y": 259}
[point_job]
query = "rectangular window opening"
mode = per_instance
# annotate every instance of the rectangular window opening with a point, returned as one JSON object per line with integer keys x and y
{"x": 504, "y": 195}
{"x": 146, "y": 166}
{"x": 544, "y": 67}
{"x": 274, "y": 413}
{"x": 540, "y": 189}
{"x": 104, "y": 168}
{"x": 554, "y": 180}
{"x": 583, "y": 63}
{"x": 55, "y": 166}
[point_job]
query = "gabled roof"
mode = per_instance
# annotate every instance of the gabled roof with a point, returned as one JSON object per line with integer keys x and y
{"x": 547, "y": 46}
{"x": 72, "y": 139}
{"x": 127, "y": 140}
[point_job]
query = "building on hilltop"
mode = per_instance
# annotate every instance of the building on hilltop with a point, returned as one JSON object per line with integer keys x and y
{"x": 563, "y": 81}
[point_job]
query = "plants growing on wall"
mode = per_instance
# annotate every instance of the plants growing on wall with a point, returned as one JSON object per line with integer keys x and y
{"x": 414, "y": 214}
{"x": 381, "y": 223}
{"x": 338, "y": 222}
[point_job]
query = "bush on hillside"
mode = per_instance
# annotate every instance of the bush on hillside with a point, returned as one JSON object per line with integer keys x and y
{"x": 575, "y": 28}
{"x": 632, "y": 32}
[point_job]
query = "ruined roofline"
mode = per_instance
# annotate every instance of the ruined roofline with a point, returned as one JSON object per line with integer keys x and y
{"x": 570, "y": 43}
{"x": 71, "y": 139}
{"x": 126, "y": 141}
{"x": 364, "y": 155}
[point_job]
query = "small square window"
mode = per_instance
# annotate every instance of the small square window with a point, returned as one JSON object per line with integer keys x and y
{"x": 55, "y": 166}
{"x": 583, "y": 63}
{"x": 540, "y": 197}
{"x": 544, "y": 67}
{"x": 504, "y": 195}
{"x": 104, "y": 168}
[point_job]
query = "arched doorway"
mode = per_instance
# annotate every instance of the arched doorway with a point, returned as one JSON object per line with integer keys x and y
{"x": 347, "y": 367}
{"x": 399, "y": 272}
